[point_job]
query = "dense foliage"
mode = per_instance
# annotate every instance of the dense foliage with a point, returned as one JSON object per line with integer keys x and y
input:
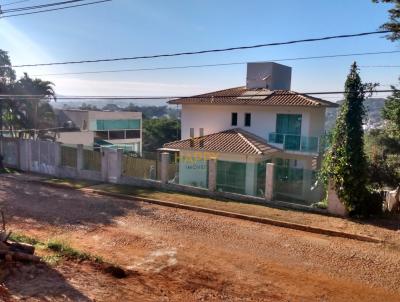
{"x": 383, "y": 146}
{"x": 394, "y": 19}
{"x": 157, "y": 132}
{"x": 345, "y": 162}
{"x": 20, "y": 112}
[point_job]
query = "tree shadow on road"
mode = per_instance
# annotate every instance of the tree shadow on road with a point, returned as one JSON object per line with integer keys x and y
{"x": 387, "y": 221}
{"x": 39, "y": 282}
{"x": 63, "y": 207}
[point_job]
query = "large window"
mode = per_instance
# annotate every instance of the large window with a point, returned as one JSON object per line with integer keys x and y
{"x": 288, "y": 124}
{"x": 118, "y": 124}
{"x": 234, "y": 119}
{"x": 102, "y": 134}
{"x": 117, "y": 134}
{"x": 247, "y": 119}
{"x": 133, "y": 134}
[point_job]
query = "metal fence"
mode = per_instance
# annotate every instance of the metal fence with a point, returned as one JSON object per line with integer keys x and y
{"x": 190, "y": 171}
{"x": 139, "y": 167}
{"x": 231, "y": 177}
{"x": 297, "y": 185}
{"x": 68, "y": 156}
{"x": 241, "y": 178}
{"x": 91, "y": 160}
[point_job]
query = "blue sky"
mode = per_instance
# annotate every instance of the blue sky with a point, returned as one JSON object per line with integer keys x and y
{"x": 130, "y": 27}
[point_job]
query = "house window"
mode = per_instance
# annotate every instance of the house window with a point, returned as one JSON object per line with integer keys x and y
{"x": 191, "y": 132}
{"x": 117, "y": 134}
{"x": 288, "y": 129}
{"x": 101, "y": 134}
{"x": 118, "y": 124}
{"x": 201, "y": 130}
{"x": 247, "y": 119}
{"x": 234, "y": 119}
{"x": 132, "y": 133}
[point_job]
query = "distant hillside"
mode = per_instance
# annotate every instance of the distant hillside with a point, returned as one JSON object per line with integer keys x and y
{"x": 373, "y": 108}
{"x": 147, "y": 107}
{"x": 100, "y": 103}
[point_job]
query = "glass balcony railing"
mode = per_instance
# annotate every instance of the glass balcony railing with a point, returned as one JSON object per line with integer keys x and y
{"x": 292, "y": 142}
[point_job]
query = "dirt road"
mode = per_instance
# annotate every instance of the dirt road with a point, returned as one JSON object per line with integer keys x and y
{"x": 180, "y": 255}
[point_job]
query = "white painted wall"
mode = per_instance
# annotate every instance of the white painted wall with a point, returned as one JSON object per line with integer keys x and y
{"x": 79, "y": 117}
{"x": 216, "y": 118}
{"x": 113, "y": 115}
{"x": 74, "y": 138}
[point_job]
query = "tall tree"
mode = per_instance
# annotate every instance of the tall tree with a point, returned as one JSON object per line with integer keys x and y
{"x": 391, "y": 112}
{"x": 394, "y": 19}
{"x": 346, "y": 161}
{"x": 7, "y": 78}
{"x": 45, "y": 92}
{"x": 383, "y": 145}
{"x": 159, "y": 131}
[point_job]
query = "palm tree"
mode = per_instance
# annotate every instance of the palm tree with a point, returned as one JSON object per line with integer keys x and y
{"x": 34, "y": 106}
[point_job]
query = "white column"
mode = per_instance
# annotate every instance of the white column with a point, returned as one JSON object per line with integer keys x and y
{"x": 269, "y": 181}
{"x": 118, "y": 165}
{"x": 23, "y": 154}
{"x": 104, "y": 163}
{"x": 335, "y": 206}
{"x": 79, "y": 157}
{"x": 251, "y": 178}
{"x": 212, "y": 174}
{"x": 164, "y": 167}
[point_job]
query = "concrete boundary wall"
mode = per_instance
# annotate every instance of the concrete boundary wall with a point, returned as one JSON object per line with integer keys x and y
{"x": 45, "y": 157}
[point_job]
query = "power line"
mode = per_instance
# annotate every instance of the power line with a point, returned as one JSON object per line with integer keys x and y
{"x": 33, "y": 129}
{"x": 206, "y": 51}
{"x": 40, "y": 6}
{"x": 15, "y": 2}
{"x": 216, "y": 64}
{"x": 53, "y": 9}
{"x": 209, "y": 95}
{"x": 380, "y": 66}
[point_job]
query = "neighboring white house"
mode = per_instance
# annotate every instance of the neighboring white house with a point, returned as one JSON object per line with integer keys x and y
{"x": 102, "y": 128}
{"x": 244, "y": 127}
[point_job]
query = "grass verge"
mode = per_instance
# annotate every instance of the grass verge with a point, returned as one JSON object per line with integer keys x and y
{"x": 58, "y": 249}
{"x": 252, "y": 209}
{"x": 7, "y": 171}
{"x": 76, "y": 184}
{"x": 306, "y": 218}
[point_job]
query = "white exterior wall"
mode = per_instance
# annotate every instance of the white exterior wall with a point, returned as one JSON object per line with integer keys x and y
{"x": 79, "y": 117}
{"x": 216, "y": 118}
{"x": 111, "y": 115}
{"x": 85, "y": 119}
{"x": 74, "y": 138}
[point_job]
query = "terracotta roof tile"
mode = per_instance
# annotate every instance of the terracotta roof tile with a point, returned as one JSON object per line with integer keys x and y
{"x": 229, "y": 141}
{"x": 260, "y": 97}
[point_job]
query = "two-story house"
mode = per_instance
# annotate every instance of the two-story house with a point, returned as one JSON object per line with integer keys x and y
{"x": 102, "y": 128}
{"x": 244, "y": 127}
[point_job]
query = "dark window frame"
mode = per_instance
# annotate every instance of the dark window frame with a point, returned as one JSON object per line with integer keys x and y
{"x": 234, "y": 119}
{"x": 247, "y": 119}
{"x": 116, "y": 134}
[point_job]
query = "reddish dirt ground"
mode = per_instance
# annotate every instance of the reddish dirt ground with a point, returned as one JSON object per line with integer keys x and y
{"x": 178, "y": 255}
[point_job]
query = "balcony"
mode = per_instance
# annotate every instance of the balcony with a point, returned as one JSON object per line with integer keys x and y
{"x": 296, "y": 143}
